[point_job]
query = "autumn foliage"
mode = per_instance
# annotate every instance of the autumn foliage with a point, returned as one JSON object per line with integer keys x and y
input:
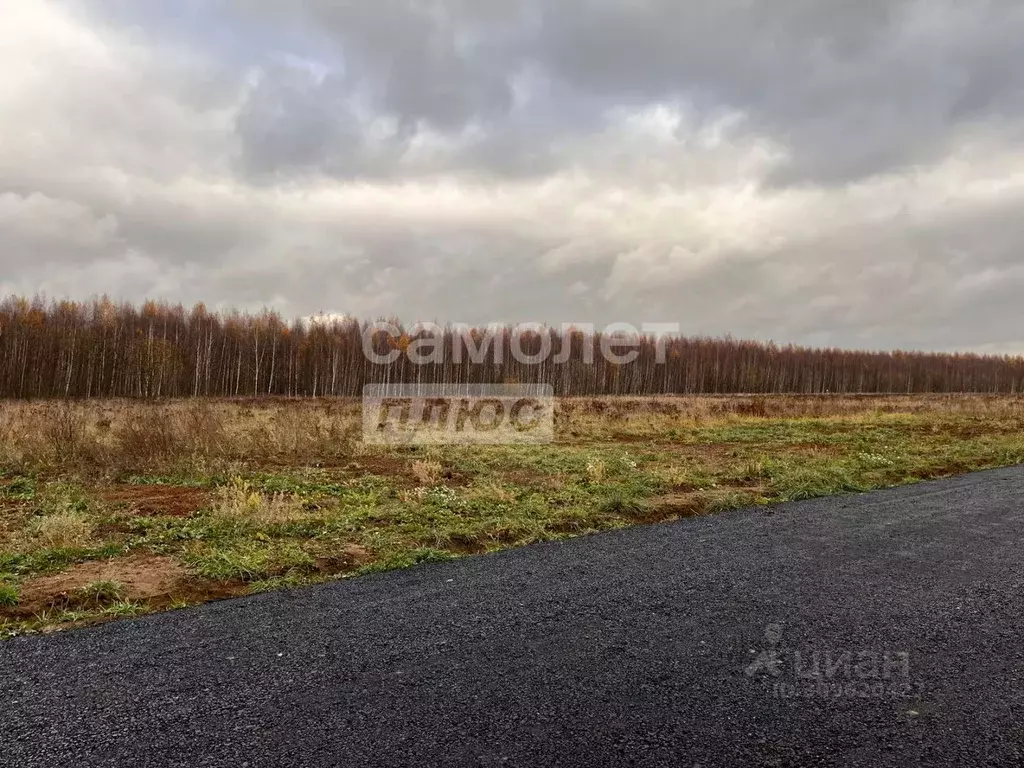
{"x": 103, "y": 349}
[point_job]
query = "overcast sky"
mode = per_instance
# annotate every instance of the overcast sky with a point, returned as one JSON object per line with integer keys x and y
{"x": 816, "y": 171}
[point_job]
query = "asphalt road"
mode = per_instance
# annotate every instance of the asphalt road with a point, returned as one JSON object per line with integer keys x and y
{"x": 879, "y": 629}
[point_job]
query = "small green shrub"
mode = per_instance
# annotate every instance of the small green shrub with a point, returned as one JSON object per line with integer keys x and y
{"x": 8, "y": 595}
{"x": 104, "y": 592}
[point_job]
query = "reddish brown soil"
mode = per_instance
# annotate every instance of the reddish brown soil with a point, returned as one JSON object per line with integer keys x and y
{"x": 380, "y": 465}
{"x": 398, "y": 470}
{"x": 349, "y": 558}
{"x": 143, "y": 577}
{"x": 393, "y": 468}
{"x": 454, "y": 479}
{"x": 158, "y": 500}
{"x": 672, "y": 505}
{"x": 156, "y": 582}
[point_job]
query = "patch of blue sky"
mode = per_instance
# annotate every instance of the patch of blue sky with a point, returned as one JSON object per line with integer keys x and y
{"x": 226, "y": 30}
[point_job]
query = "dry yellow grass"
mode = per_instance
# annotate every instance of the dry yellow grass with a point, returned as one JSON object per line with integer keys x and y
{"x": 596, "y": 470}
{"x": 62, "y": 530}
{"x": 143, "y": 435}
{"x": 239, "y": 501}
{"x": 427, "y": 472}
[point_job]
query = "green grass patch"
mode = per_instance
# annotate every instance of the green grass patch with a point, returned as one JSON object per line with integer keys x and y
{"x": 18, "y": 488}
{"x": 9, "y": 597}
{"x": 247, "y": 560}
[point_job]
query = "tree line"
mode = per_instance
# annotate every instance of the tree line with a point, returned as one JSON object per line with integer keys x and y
{"x": 105, "y": 349}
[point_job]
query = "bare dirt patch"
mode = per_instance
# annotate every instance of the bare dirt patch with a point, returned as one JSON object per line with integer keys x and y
{"x": 391, "y": 467}
{"x": 454, "y": 479}
{"x": 158, "y": 500}
{"x": 350, "y": 556}
{"x": 399, "y": 471}
{"x": 143, "y": 577}
{"x": 528, "y": 479}
{"x": 675, "y": 504}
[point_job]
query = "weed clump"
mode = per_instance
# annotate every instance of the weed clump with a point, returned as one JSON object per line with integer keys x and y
{"x": 621, "y": 506}
{"x": 597, "y": 470}
{"x": 67, "y": 529}
{"x": 9, "y": 597}
{"x": 239, "y": 501}
{"x": 427, "y": 472}
{"x": 99, "y": 594}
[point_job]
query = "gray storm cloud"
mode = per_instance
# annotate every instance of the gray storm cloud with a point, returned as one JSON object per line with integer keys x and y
{"x": 827, "y": 172}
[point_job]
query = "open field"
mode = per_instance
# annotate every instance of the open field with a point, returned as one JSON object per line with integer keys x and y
{"x": 117, "y": 508}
